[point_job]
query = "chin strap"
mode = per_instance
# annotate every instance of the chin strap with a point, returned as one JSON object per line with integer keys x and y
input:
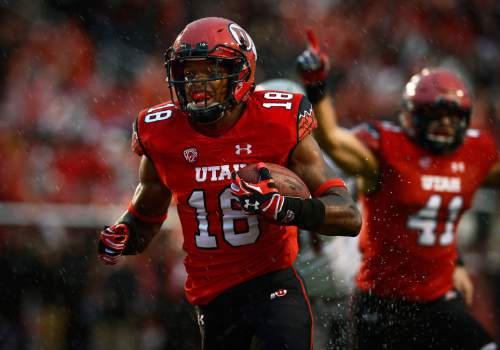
{"x": 207, "y": 115}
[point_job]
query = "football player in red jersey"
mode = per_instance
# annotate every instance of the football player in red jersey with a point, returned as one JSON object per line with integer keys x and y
{"x": 416, "y": 180}
{"x": 239, "y": 263}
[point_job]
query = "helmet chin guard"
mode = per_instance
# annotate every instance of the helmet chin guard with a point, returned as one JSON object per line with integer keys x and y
{"x": 207, "y": 115}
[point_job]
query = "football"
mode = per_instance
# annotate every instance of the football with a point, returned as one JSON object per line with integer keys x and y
{"x": 288, "y": 183}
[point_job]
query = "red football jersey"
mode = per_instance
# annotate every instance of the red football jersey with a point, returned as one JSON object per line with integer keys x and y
{"x": 224, "y": 246}
{"x": 408, "y": 239}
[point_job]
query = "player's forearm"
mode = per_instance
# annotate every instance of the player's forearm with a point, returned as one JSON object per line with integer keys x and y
{"x": 140, "y": 233}
{"x": 147, "y": 210}
{"x": 327, "y": 122}
{"x": 342, "y": 217}
{"x": 348, "y": 155}
{"x": 340, "y": 144}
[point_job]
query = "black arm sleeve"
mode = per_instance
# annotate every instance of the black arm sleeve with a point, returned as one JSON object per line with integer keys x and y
{"x": 140, "y": 234}
{"x": 307, "y": 214}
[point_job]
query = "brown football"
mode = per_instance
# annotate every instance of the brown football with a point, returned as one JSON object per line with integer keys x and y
{"x": 288, "y": 183}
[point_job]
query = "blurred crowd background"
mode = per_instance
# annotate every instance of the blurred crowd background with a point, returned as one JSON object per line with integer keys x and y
{"x": 73, "y": 76}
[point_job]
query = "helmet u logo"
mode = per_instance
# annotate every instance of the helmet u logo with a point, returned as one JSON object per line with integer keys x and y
{"x": 242, "y": 38}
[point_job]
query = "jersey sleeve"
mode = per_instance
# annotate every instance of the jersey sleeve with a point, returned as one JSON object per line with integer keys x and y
{"x": 136, "y": 144}
{"x": 486, "y": 151}
{"x": 306, "y": 121}
{"x": 141, "y": 133}
{"x": 369, "y": 135}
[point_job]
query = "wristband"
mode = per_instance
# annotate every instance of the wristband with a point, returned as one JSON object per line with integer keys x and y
{"x": 146, "y": 218}
{"x": 318, "y": 192}
{"x": 308, "y": 214}
{"x": 459, "y": 261}
{"x": 316, "y": 91}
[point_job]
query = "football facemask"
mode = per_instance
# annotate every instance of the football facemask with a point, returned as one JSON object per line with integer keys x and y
{"x": 205, "y": 94}
{"x": 441, "y": 127}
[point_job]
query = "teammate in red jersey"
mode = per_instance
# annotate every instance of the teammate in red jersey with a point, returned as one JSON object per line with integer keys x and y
{"x": 416, "y": 180}
{"x": 239, "y": 263}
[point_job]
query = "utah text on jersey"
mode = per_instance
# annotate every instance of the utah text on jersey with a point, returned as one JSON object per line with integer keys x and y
{"x": 441, "y": 183}
{"x": 216, "y": 172}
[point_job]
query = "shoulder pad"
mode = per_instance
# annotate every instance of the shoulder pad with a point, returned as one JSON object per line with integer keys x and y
{"x": 147, "y": 116}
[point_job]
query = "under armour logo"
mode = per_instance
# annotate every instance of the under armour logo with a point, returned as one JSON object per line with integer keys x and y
{"x": 239, "y": 149}
{"x": 248, "y": 204}
{"x": 458, "y": 167}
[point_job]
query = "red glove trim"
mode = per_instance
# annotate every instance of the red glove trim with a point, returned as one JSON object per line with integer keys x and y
{"x": 318, "y": 192}
{"x": 146, "y": 218}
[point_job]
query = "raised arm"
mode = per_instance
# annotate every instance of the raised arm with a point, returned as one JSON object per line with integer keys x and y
{"x": 135, "y": 228}
{"x": 346, "y": 150}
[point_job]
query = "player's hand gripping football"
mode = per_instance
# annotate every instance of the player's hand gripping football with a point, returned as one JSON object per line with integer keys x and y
{"x": 112, "y": 242}
{"x": 261, "y": 198}
{"x": 312, "y": 64}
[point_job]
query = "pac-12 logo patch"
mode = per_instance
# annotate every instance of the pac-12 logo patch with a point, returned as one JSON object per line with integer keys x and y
{"x": 191, "y": 154}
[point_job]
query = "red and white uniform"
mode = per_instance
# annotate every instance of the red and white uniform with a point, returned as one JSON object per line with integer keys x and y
{"x": 224, "y": 246}
{"x": 408, "y": 239}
